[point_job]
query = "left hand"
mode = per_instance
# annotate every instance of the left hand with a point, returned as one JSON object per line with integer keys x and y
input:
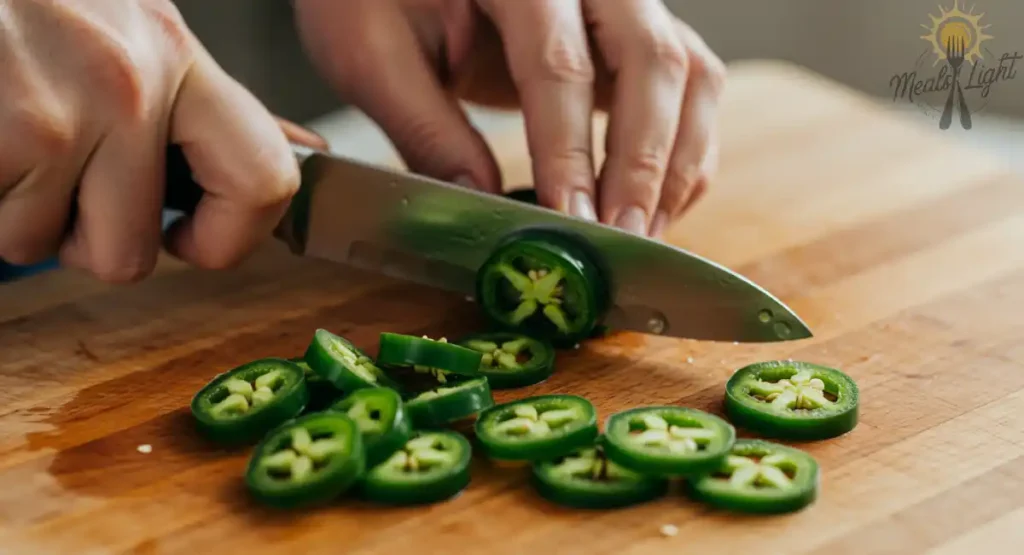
{"x": 405, "y": 62}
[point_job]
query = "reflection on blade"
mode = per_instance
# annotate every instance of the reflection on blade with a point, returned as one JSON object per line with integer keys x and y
{"x": 434, "y": 233}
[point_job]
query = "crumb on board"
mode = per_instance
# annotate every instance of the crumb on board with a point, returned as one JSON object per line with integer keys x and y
{"x": 145, "y": 448}
{"x": 689, "y": 360}
{"x": 669, "y": 530}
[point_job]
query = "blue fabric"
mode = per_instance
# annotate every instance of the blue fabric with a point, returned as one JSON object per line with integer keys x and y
{"x": 10, "y": 272}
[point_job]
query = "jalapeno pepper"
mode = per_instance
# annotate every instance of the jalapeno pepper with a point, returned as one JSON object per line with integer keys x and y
{"x": 342, "y": 364}
{"x": 381, "y": 417}
{"x": 792, "y": 400}
{"x": 306, "y": 461}
{"x": 512, "y": 360}
{"x": 321, "y": 392}
{"x": 543, "y": 284}
{"x": 443, "y": 405}
{"x": 760, "y": 477}
{"x": 241, "y": 405}
{"x": 537, "y": 428}
{"x": 406, "y": 350}
{"x": 585, "y": 479}
{"x": 668, "y": 441}
{"x": 432, "y": 466}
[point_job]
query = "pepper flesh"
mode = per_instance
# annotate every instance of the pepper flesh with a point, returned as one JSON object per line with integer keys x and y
{"x": 425, "y": 354}
{"x": 543, "y": 283}
{"x": 450, "y": 403}
{"x": 310, "y": 460}
{"x": 668, "y": 441}
{"x": 537, "y": 428}
{"x": 382, "y": 420}
{"x": 792, "y": 400}
{"x": 512, "y": 360}
{"x": 430, "y": 467}
{"x": 342, "y": 364}
{"x": 241, "y": 405}
{"x": 760, "y": 477}
{"x": 587, "y": 479}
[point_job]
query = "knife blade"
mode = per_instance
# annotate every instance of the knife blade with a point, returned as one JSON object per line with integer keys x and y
{"x": 426, "y": 231}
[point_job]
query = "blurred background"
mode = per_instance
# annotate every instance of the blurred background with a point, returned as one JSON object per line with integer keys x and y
{"x": 861, "y": 44}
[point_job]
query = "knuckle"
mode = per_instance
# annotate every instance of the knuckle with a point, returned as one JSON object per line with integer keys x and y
{"x": 49, "y": 128}
{"x": 646, "y": 165}
{"x": 273, "y": 181}
{"x": 711, "y": 70}
{"x": 665, "y": 52}
{"x": 562, "y": 60}
{"x": 168, "y": 18}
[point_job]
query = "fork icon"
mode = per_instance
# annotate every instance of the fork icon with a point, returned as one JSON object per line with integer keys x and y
{"x": 955, "y": 57}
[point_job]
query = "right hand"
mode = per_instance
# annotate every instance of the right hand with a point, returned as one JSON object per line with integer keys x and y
{"x": 92, "y": 92}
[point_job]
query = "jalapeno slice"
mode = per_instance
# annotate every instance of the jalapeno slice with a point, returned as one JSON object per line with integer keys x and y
{"x": 542, "y": 284}
{"x": 512, "y": 360}
{"x": 381, "y": 418}
{"x": 432, "y": 466}
{"x": 792, "y": 400}
{"x": 668, "y": 441}
{"x": 760, "y": 477}
{"x": 457, "y": 400}
{"x": 241, "y": 405}
{"x": 342, "y": 364}
{"x": 321, "y": 392}
{"x": 407, "y": 350}
{"x": 537, "y": 428}
{"x": 585, "y": 479}
{"x": 310, "y": 460}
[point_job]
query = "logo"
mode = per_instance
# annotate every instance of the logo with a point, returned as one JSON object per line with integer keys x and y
{"x": 957, "y": 72}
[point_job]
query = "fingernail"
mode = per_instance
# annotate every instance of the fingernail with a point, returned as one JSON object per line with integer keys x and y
{"x": 582, "y": 207}
{"x": 659, "y": 223}
{"x": 465, "y": 181}
{"x": 633, "y": 220}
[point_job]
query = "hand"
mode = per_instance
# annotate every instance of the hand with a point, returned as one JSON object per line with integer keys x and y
{"x": 404, "y": 62}
{"x": 91, "y": 94}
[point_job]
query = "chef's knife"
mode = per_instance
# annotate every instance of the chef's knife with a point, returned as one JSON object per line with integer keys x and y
{"x": 426, "y": 231}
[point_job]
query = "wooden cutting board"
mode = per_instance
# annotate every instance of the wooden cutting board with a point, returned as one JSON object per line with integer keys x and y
{"x": 902, "y": 250}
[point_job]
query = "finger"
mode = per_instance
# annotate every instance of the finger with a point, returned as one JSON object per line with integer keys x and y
{"x": 549, "y": 59}
{"x": 240, "y": 156}
{"x": 389, "y": 77}
{"x": 650, "y": 66}
{"x": 117, "y": 226}
{"x": 33, "y": 217}
{"x": 300, "y": 135}
{"x": 694, "y": 155}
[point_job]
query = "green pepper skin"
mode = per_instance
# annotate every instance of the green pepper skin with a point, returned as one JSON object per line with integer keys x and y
{"x": 321, "y": 392}
{"x": 407, "y": 350}
{"x": 584, "y": 290}
{"x": 382, "y": 419}
{"x": 538, "y": 368}
{"x": 328, "y": 436}
{"x": 569, "y": 481}
{"x": 234, "y": 428}
{"x": 825, "y": 420}
{"x": 760, "y": 497}
{"x": 326, "y": 355}
{"x": 443, "y": 405}
{"x": 711, "y": 436}
{"x": 441, "y": 473}
{"x": 573, "y": 427}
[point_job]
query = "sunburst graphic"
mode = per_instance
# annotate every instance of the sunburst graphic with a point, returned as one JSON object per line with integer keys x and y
{"x": 956, "y": 24}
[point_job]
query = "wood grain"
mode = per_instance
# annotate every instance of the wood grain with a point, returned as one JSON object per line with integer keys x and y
{"x": 900, "y": 248}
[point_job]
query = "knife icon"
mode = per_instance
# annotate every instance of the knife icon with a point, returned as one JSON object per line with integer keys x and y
{"x": 433, "y": 233}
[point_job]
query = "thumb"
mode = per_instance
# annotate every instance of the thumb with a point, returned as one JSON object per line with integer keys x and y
{"x": 377, "y": 63}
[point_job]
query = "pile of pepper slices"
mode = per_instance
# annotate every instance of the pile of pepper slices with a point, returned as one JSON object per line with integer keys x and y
{"x": 335, "y": 422}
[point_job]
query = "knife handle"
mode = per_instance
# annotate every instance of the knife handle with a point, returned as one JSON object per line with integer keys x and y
{"x": 181, "y": 191}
